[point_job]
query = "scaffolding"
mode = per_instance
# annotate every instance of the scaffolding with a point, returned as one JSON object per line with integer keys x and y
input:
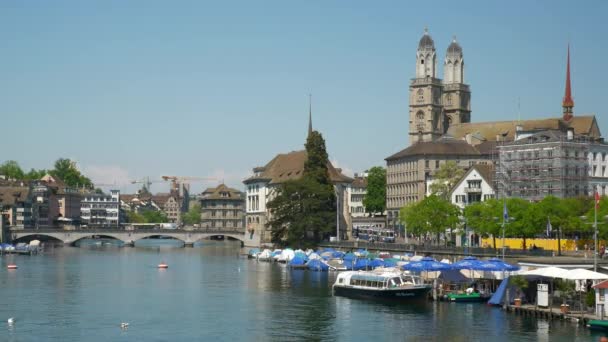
{"x": 543, "y": 164}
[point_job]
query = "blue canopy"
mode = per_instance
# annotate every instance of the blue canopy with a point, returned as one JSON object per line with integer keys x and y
{"x": 362, "y": 264}
{"x": 317, "y": 265}
{"x": 349, "y": 256}
{"x": 377, "y": 263}
{"x": 297, "y": 261}
{"x": 503, "y": 265}
{"x": 390, "y": 262}
{"x": 337, "y": 254}
{"x": 469, "y": 263}
{"x": 426, "y": 264}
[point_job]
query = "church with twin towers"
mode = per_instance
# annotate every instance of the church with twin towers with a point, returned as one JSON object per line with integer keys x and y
{"x": 436, "y": 104}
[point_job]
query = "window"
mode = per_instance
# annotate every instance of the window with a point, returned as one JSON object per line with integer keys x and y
{"x": 426, "y": 164}
{"x": 436, "y": 164}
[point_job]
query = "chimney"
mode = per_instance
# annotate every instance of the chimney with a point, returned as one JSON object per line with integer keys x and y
{"x": 498, "y": 137}
{"x": 519, "y": 128}
{"x": 570, "y": 133}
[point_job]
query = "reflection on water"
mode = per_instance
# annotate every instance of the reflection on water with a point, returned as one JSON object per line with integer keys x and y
{"x": 211, "y": 293}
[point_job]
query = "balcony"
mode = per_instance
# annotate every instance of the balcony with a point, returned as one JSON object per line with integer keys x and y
{"x": 472, "y": 190}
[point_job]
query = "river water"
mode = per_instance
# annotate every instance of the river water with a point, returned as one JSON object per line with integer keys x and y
{"x": 211, "y": 293}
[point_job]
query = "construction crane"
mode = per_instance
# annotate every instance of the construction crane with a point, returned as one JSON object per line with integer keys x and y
{"x": 146, "y": 182}
{"x": 176, "y": 181}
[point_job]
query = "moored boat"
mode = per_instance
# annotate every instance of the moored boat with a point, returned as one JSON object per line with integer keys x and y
{"x": 383, "y": 285}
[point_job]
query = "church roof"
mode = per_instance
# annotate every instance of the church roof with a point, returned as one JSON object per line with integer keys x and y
{"x": 426, "y": 42}
{"x": 454, "y": 48}
{"x": 583, "y": 125}
{"x": 290, "y": 166}
{"x": 438, "y": 147}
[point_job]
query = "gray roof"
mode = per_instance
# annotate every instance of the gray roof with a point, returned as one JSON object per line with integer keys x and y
{"x": 454, "y": 48}
{"x": 441, "y": 147}
{"x": 426, "y": 42}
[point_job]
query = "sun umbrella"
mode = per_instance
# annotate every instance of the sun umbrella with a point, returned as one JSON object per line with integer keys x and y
{"x": 426, "y": 264}
{"x": 377, "y": 263}
{"x": 503, "y": 265}
{"x": 468, "y": 263}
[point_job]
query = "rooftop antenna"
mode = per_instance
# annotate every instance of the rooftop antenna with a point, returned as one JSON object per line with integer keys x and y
{"x": 518, "y": 110}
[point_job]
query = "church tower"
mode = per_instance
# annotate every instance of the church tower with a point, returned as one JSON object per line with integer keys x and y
{"x": 456, "y": 94}
{"x": 426, "y": 114}
{"x": 568, "y": 103}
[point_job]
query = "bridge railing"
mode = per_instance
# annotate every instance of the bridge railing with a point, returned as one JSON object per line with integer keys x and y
{"x": 101, "y": 231}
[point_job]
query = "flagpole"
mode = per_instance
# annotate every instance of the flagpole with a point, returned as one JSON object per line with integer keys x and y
{"x": 504, "y": 201}
{"x": 595, "y": 199}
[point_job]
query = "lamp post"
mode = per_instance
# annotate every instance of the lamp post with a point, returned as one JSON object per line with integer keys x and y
{"x": 503, "y": 237}
{"x": 337, "y": 213}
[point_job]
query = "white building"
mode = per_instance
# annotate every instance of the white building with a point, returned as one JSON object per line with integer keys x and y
{"x": 475, "y": 186}
{"x": 355, "y": 193}
{"x": 598, "y": 168}
{"x": 100, "y": 209}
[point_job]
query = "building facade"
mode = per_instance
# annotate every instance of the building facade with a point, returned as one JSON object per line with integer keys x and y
{"x": 408, "y": 171}
{"x": 543, "y": 164}
{"x": 598, "y": 167}
{"x": 101, "y": 210}
{"x": 355, "y": 194}
{"x": 222, "y": 208}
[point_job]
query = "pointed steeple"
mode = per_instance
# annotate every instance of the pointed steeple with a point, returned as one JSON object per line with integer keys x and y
{"x": 568, "y": 103}
{"x": 309, "y": 114}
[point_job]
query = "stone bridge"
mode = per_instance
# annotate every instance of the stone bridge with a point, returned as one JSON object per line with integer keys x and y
{"x": 189, "y": 237}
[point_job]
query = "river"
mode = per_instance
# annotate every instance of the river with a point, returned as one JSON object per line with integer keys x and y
{"x": 209, "y": 292}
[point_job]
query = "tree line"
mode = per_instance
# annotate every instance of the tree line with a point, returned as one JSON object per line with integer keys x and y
{"x": 63, "y": 168}
{"x": 551, "y": 217}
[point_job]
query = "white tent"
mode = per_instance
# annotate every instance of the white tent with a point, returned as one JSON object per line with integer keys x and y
{"x": 583, "y": 274}
{"x": 549, "y": 272}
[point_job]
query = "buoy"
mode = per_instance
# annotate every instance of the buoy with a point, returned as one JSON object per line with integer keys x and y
{"x": 11, "y": 320}
{"x": 163, "y": 265}
{"x": 12, "y": 267}
{"x": 124, "y": 325}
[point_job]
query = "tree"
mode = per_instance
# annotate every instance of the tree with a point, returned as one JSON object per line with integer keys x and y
{"x": 484, "y": 218}
{"x": 154, "y": 216}
{"x": 34, "y": 174}
{"x": 522, "y": 215}
{"x": 446, "y": 178}
{"x": 431, "y": 215}
{"x": 374, "y": 200}
{"x": 193, "y": 216}
{"x": 67, "y": 170}
{"x": 303, "y": 210}
{"x": 11, "y": 170}
{"x": 134, "y": 217}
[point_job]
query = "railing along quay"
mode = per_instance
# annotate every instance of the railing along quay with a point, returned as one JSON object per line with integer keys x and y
{"x": 434, "y": 249}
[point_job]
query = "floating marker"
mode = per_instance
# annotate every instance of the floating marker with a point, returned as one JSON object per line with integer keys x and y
{"x": 12, "y": 267}
{"x": 163, "y": 265}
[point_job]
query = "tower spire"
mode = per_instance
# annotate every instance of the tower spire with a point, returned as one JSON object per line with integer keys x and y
{"x": 568, "y": 103}
{"x": 309, "y": 114}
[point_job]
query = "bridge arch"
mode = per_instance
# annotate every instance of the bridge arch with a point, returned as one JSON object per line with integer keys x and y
{"x": 36, "y": 236}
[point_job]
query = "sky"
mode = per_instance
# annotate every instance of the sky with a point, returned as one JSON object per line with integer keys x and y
{"x": 130, "y": 89}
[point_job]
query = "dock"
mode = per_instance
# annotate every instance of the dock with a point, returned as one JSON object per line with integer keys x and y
{"x": 580, "y": 317}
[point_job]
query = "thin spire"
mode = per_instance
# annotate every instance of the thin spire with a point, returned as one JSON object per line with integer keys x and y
{"x": 309, "y": 114}
{"x": 568, "y": 103}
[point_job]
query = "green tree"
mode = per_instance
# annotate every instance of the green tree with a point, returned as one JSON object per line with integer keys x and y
{"x": 431, "y": 215}
{"x": 11, "y": 170}
{"x": 522, "y": 218}
{"x": 67, "y": 170}
{"x": 446, "y": 178}
{"x": 303, "y": 211}
{"x": 34, "y": 174}
{"x": 154, "y": 216}
{"x": 134, "y": 217}
{"x": 375, "y": 196}
{"x": 193, "y": 216}
{"x": 484, "y": 218}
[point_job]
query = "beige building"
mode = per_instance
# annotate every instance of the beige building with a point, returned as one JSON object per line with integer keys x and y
{"x": 68, "y": 199}
{"x": 222, "y": 208}
{"x": 408, "y": 171}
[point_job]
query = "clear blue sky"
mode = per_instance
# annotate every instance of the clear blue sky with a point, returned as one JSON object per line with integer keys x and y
{"x": 146, "y": 88}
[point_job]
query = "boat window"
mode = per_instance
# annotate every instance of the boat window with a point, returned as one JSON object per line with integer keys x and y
{"x": 340, "y": 280}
